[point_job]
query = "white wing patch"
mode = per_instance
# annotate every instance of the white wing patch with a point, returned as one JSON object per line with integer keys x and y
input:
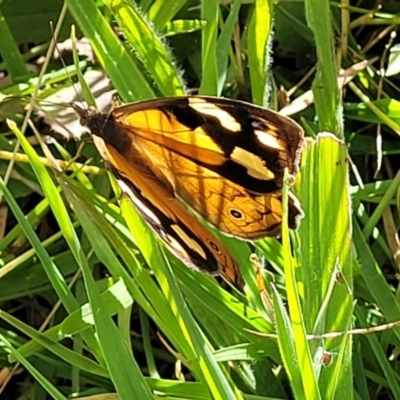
{"x": 255, "y": 165}
{"x": 269, "y": 140}
{"x": 225, "y": 119}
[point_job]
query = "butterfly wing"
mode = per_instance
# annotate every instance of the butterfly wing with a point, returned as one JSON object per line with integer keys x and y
{"x": 224, "y": 158}
{"x": 184, "y": 236}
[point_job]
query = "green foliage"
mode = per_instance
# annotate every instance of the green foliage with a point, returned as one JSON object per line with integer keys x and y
{"x": 138, "y": 318}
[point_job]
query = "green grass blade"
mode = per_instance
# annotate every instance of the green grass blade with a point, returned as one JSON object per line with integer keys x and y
{"x": 297, "y": 316}
{"x": 120, "y": 67}
{"x": 162, "y": 11}
{"x": 325, "y": 86}
{"x": 55, "y": 277}
{"x": 216, "y": 378}
{"x": 224, "y": 44}
{"x": 209, "y": 79}
{"x": 115, "y": 298}
{"x": 44, "y": 341}
{"x": 257, "y": 43}
{"x": 104, "y": 235}
{"x": 46, "y": 384}
{"x": 324, "y": 191}
{"x": 287, "y": 348}
{"x": 66, "y": 226}
{"x": 384, "y": 363}
{"x": 382, "y": 206}
{"x": 375, "y": 281}
{"x": 10, "y": 53}
{"x": 124, "y": 371}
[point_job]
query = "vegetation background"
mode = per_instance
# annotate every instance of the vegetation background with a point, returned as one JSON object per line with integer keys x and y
{"x": 70, "y": 244}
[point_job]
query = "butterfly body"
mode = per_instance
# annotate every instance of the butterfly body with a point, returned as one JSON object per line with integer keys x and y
{"x": 224, "y": 158}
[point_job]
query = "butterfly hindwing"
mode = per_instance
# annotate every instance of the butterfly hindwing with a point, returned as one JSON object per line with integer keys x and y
{"x": 184, "y": 236}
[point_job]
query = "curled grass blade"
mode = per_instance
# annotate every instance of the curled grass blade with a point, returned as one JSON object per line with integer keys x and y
{"x": 149, "y": 47}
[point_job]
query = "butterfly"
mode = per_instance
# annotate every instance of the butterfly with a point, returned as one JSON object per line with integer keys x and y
{"x": 223, "y": 158}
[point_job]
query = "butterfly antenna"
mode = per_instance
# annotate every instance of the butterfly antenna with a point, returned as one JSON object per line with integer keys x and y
{"x": 78, "y": 95}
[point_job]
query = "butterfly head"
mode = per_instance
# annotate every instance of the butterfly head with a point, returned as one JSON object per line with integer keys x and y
{"x": 86, "y": 115}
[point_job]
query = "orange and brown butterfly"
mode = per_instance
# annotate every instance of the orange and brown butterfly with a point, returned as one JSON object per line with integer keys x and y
{"x": 223, "y": 158}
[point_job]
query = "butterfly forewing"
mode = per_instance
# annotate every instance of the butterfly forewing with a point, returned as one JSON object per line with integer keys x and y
{"x": 246, "y": 144}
